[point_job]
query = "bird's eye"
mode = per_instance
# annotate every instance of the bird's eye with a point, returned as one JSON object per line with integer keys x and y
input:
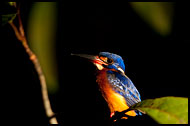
{"x": 110, "y": 61}
{"x": 105, "y": 59}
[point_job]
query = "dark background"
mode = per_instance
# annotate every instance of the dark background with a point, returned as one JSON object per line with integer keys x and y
{"x": 156, "y": 64}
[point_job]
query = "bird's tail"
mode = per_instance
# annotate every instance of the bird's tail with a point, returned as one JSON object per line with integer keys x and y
{"x": 138, "y": 113}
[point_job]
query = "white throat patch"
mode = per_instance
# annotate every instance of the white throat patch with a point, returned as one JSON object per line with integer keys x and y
{"x": 99, "y": 66}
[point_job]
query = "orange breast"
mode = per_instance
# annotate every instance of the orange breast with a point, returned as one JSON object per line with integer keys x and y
{"x": 116, "y": 102}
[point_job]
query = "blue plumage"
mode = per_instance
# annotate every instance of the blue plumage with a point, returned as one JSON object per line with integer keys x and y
{"x": 117, "y": 89}
{"x": 119, "y": 81}
{"x": 117, "y": 60}
{"x": 124, "y": 86}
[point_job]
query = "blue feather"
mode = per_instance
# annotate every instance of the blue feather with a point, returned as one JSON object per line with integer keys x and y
{"x": 124, "y": 86}
{"x": 118, "y": 61}
{"x": 120, "y": 82}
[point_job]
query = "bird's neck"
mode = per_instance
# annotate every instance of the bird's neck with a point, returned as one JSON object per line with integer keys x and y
{"x": 102, "y": 79}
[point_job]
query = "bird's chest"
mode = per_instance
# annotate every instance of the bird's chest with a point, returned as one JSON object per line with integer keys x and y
{"x": 116, "y": 101}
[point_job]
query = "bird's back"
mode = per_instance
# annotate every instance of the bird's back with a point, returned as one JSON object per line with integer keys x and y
{"x": 124, "y": 86}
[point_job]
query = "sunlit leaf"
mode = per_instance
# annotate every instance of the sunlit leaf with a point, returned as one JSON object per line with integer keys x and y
{"x": 7, "y": 18}
{"x": 157, "y": 14}
{"x": 12, "y": 3}
{"x": 42, "y": 39}
{"x": 165, "y": 110}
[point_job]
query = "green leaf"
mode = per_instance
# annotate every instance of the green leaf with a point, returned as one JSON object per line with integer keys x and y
{"x": 9, "y": 12}
{"x": 12, "y": 3}
{"x": 157, "y": 14}
{"x": 41, "y": 34}
{"x": 8, "y": 18}
{"x": 165, "y": 110}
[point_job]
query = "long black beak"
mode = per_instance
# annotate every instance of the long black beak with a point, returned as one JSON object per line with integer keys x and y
{"x": 90, "y": 57}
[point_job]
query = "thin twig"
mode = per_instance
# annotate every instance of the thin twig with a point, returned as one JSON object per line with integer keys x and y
{"x": 21, "y": 36}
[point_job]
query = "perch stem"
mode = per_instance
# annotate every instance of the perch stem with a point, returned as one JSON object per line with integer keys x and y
{"x": 20, "y": 36}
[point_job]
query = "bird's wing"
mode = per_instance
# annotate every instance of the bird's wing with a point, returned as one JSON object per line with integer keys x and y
{"x": 124, "y": 86}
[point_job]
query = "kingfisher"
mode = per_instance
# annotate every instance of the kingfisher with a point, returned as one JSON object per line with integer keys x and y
{"x": 117, "y": 89}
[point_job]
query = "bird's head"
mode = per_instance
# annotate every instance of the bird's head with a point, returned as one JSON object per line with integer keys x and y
{"x": 106, "y": 60}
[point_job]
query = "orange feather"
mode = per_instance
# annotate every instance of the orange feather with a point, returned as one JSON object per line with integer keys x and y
{"x": 116, "y": 102}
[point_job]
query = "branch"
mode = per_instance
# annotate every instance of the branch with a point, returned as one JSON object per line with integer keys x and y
{"x": 21, "y": 37}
